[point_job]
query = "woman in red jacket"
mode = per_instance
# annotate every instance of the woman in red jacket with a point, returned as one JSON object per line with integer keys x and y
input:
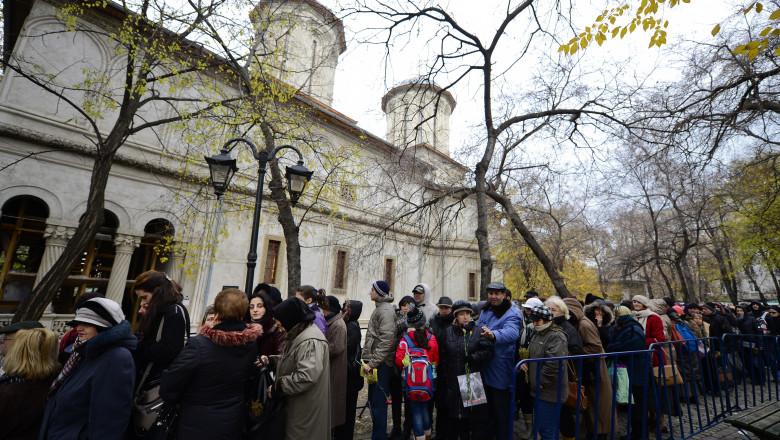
{"x": 654, "y": 332}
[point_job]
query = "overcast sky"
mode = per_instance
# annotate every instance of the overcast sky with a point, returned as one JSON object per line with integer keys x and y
{"x": 362, "y": 79}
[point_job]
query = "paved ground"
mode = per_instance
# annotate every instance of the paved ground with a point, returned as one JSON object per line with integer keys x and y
{"x": 691, "y": 418}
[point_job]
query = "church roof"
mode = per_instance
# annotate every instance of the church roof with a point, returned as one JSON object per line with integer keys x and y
{"x": 325, "y": 13}
{"x": 415, "y": 83}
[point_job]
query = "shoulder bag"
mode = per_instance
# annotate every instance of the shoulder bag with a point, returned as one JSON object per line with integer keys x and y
{"x": 571, "y": 400}
{"x": 147, "y": 402}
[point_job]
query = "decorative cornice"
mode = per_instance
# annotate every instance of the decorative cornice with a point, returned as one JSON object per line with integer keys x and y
{"x": 126, "y": 243}
{"x": 58, "y": 235}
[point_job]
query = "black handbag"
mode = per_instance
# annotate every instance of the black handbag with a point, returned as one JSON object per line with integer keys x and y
{"x": 166, "y": 424}
{"x": 265, "y": 415}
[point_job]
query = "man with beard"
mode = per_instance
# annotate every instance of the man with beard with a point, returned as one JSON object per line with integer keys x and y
{"x": 500, "y": 323}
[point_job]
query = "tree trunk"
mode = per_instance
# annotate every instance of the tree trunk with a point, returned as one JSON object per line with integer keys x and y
{"x": 530, "y": 240}
{"x": 485, "y": 261}
{"x": 726, "y": 277}
{"x": 32, "y": 308}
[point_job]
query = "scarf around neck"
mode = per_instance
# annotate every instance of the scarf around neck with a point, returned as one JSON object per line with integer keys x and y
{"x": 642, "y": 315}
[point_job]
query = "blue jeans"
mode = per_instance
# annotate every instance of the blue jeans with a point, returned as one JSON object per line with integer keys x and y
{"x": 378, "y": 393}
{"x": 546, "y": 419}
{"x": 421, "y": 419}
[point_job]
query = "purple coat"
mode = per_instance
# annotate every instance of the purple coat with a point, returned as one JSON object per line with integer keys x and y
{"x": 319, "y": 319}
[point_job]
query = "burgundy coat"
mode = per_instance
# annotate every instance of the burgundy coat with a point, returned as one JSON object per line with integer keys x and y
{"x": 272, "y": 340}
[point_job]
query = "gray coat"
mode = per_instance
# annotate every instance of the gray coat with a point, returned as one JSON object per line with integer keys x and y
{"x": 303, "y": 377}
{"x": 380, "y": 336}
{"x": 337, "y": 344}
{"x": 551, "y": 342}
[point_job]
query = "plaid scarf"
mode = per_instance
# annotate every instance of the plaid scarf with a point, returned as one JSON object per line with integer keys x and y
{"x": 72, "y": 362}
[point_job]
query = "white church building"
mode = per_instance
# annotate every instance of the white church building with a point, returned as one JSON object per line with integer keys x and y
{"x": 351, "y": 235}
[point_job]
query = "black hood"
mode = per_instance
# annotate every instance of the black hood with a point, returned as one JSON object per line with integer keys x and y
{"x": 356, "y": 308}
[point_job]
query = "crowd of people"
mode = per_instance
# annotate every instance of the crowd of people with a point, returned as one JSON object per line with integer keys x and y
{"x": 430, "y": 360}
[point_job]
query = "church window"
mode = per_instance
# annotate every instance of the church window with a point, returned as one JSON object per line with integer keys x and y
{"x": 271, "y": 261}
{"x": 341, "y": 270}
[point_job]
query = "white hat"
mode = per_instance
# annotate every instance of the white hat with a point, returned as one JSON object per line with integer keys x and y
{"x": 533, "y": 302}
{"x": 100, "y": 312}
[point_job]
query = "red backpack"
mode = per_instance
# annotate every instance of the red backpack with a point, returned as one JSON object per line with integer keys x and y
{"x": 419, "y": 373}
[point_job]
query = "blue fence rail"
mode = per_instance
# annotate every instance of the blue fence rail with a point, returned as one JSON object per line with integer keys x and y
{"x": 688, "y": 386}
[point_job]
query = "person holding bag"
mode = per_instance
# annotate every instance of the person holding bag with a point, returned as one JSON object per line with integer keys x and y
{"x": 162, "y": 332}
{"x": 463, "y": 351}
{"x": 208, "y": 379}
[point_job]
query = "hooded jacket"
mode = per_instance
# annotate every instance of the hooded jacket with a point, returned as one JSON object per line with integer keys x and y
{"x": 380, "y": 336}
{"x": 337, "y": 353}
{"x": 95, "y": 399}
{"x": 606, "y": 321}
{"x": 628, "y": 335}
{"x": 506, "y": 328}
{"x": 593, "y": 370}
{"x": 208, "y": 379}
{"x": 354, "y": 379}
{"x": 427, "y": 306}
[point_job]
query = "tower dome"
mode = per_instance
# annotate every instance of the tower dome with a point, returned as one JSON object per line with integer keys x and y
{"x": 418, "y": 112}
{"x": 300, "y": 42}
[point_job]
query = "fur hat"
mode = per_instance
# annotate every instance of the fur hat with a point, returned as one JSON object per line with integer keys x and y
{"x": 641, "y": 299}
{"x": 461, "y": 305}
{"x": 333, "y": 303}
{"x": 444, "y": 301}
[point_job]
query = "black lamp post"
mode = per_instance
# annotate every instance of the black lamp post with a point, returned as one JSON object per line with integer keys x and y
{"x": 223, "y": 167}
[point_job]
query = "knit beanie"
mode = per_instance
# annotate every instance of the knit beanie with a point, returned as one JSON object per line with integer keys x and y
{"x": 645, "y": 301}
{"x": 382, "y": 288}
{"x": 415, "y": 317}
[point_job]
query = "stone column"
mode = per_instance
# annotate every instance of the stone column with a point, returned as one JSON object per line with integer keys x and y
{"x": 57, "y": 237}
{"x": 177, "y": 260}
{"x": 125, "y": 246}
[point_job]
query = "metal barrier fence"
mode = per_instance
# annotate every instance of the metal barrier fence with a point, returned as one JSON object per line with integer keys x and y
{"x": 696, "y": 383}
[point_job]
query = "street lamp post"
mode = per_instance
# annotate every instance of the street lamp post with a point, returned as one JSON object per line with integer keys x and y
{"x": 223, "y": 167}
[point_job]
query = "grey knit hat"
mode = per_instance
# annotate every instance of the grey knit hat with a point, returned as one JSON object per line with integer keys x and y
{"x": 100, "y": 312}
{"x": 415, "y": 317}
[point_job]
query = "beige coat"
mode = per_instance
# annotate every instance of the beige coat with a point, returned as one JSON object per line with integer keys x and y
{"x": 337, "y": 344}
{"x": 592, "y": 345}
{"x": 380, "y": 336}
{"x": 303, "y": 376}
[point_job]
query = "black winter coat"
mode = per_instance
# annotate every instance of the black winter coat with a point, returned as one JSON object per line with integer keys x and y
{"x": 718, "y": 325}
{"x": 628, "y": 335}
{"x": 452, "y": 363}
{"x": 748, "y": 325}
{"x": 354, "y": 379}
{"x": 162, "y": 353}
{"x": 574, "y": 345}
{"x": 209, "y": 378}
{"x": 439, "y": 324}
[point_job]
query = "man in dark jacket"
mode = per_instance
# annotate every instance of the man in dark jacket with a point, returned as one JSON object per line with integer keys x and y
{"x": 439, "y": 325}
{"x": 462, "y": 349}
{"x": 718, "y": 324}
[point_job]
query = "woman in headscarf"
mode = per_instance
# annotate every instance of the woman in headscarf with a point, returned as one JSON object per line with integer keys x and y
{"x": 302, "y": 373}
{"x": 337, "y": 348}
{"x": 628, "y": 335}
{"x": 92, "y": 396}
{"x": 272, "y": 340}
{"x": 352, "y": 311}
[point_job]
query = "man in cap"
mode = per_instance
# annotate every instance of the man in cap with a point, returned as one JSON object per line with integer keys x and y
{"x": 8, "y": 333}
{"x": 379, "y": 354}
{"x": 500, "y": 323}
{"x": 422, "y": 298}
{"x": 439, "y": 324}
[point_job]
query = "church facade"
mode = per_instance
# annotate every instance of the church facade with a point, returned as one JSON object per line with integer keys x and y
{"x": 373, "y": 222}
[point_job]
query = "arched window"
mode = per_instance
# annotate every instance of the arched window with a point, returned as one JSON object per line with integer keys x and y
{"x": 152, "y": 254}
{"x": 92, "y": 270}
{"x": 22, "y": 225}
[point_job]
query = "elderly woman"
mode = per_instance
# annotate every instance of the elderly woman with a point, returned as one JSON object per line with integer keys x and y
{"x": 31, "y": 365}
{"x": 653, "y": 327}
{"x": 302, "y": 373}
{"x": 549, "y": 340}
{"x": 208, "y": 377}
{"x": 93, "y": 394}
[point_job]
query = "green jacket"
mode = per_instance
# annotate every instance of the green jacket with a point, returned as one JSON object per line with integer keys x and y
{"x": 550, "y": 342}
